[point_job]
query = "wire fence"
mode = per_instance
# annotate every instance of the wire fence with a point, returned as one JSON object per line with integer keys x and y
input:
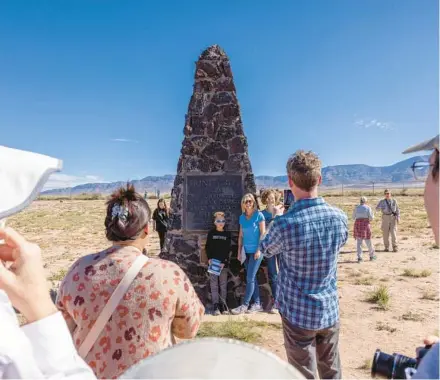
{"x": 375, "y": 188}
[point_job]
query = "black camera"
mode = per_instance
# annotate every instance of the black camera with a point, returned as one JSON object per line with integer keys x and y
{"x": 394, "y": 366}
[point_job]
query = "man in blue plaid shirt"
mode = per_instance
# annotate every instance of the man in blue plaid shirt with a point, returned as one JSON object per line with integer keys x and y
{"x": 307, "y": 239}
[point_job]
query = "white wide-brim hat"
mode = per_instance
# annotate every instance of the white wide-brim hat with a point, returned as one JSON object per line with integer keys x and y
{"x": 22, "y": 177}
{"x": 430, "y": 144}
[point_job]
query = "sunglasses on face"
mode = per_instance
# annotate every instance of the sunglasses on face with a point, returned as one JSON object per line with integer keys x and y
{"x": 220, "y": 221}
{"x": 248, "y": 201}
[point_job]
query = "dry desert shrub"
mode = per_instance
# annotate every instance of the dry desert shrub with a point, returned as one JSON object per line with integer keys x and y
{"x": 380, "y": 296}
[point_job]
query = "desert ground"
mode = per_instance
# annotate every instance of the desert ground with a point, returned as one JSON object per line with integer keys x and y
{"x": 391, "y": 303}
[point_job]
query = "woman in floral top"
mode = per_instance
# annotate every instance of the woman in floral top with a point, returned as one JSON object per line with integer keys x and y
{"x": 160, "y": 304}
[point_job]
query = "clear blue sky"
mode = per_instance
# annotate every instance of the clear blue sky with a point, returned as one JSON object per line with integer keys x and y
{"x": 355, "y": 81}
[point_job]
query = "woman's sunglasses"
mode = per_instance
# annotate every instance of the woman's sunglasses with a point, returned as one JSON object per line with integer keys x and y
{"x": 220, "y": 221}
{"x": 248, "y": 201}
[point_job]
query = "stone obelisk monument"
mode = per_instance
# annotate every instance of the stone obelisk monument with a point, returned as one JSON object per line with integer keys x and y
{"x": 213, "y": 173}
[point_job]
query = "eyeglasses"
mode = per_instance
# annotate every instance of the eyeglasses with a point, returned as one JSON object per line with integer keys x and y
{"x": 248, "y": 201}
{"x": 421, "y": 169}
{"x": 220, "y": 221}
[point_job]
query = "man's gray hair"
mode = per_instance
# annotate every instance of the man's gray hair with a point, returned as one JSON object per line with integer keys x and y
{"x": 363, "y": 200}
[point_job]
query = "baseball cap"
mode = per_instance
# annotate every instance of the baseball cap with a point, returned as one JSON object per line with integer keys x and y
{"x": 426, "y": 145}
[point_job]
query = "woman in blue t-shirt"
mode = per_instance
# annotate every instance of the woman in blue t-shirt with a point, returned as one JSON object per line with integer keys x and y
{"x": 252, "y": 228}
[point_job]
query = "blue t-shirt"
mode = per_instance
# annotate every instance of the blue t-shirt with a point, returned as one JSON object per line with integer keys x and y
{"x": 251, "y": 231}
{"x": 267, "y": 217}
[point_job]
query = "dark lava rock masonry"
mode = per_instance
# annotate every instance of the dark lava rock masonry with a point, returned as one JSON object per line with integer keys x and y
{"x": 214, "y": 143}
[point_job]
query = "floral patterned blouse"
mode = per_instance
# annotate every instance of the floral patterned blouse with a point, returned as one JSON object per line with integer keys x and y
{"x": 160, "y": 304}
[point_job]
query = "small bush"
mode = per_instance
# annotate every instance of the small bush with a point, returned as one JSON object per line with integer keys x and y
{"x": 414, "y": 273}
{"x": 410, "y": 316}
{"x": 430, "y": 295}
{"x": 380, "y": 296}
{"x": 366, "y": 365}
{"x": 364, "y": 281}
{"x": 381, "y": 326}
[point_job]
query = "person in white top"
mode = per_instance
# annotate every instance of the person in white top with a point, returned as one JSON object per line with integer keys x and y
{"x": 43, "y": 348}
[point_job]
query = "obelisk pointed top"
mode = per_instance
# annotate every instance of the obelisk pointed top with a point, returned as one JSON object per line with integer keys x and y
{"x": 213, "y": 52}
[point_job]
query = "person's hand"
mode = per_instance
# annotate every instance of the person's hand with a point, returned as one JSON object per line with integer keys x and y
{"x": 257, "y": 255}
{"x": 278, "y": 211}
{"x": 222, "y": 265}
{"x": 209, "y": 261}
{"x": 428, "y": 341}
{"x": 22, "y": 276}
{"x": 431, "y": 340}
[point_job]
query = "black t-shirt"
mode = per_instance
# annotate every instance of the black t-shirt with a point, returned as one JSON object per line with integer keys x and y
{"x": 218, "y": 245}
{"x": 161, "y": 218}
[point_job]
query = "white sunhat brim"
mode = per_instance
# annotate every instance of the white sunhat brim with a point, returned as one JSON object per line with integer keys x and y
{"x": 22, "y": 176}
{"x": 426, "y": 145}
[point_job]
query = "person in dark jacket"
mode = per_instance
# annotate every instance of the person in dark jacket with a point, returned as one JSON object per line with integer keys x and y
{"x": 218, "y": 247}
{"x": 161, "y": 218}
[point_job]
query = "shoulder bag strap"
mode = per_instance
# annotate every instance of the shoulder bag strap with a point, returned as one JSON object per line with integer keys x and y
{"x": 390, "y": 207}
{"x": 111, "y": 305}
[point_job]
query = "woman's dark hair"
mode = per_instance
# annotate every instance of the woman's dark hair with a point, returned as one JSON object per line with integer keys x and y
{"x": 164, "y": 203}
{"x": 128, "y": 214}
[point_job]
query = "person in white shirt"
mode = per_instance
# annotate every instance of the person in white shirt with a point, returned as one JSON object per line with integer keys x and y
{"x": 43, "y": 348}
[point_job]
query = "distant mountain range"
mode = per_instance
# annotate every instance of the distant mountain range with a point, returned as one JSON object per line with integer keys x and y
{"x": 350, "y": 175}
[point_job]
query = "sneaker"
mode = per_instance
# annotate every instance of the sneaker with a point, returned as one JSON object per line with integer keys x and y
{"x": 255, "y": 308}
{"x": 240, "y": 310}
{"x": 386, "y": 250}
{"x": 372, "y": 258}
{"x": 273, "y": 310}
{"x": 359, "y": 260}
{"x": 216, "y": 310}
{"x": 395, "y": 249}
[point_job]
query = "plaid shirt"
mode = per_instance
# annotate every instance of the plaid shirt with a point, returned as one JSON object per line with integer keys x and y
{"x": 307, "y": 238}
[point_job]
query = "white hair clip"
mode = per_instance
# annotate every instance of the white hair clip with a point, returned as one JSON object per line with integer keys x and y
{"x": 120, "y": 211}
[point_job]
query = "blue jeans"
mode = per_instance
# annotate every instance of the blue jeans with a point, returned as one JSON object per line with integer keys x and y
{"x": 273, "y": 273}
{"x": 252, "y": 288}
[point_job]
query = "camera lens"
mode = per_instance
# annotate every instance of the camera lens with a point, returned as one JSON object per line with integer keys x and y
{"x": 391, "y": 366}
{"x": 382, "y": 365}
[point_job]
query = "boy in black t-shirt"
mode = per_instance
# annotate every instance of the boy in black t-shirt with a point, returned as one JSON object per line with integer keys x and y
{"x": 218, "y": 246}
